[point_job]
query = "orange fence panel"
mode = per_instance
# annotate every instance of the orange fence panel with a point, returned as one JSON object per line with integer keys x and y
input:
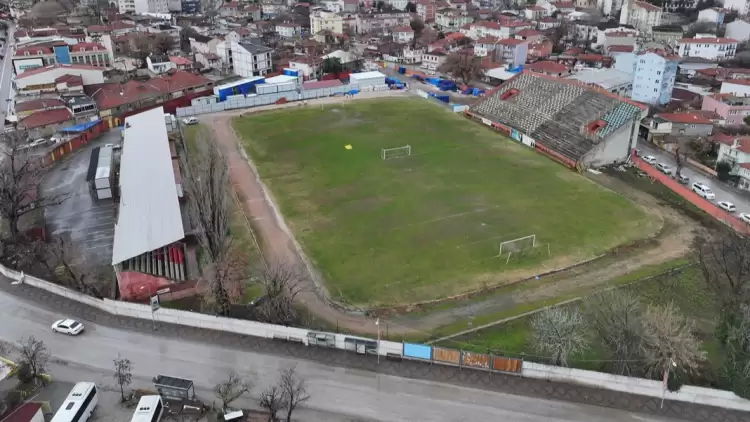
{"x": 475, "y": 360}
{"x": 446, "y": 355}
{"x": 504, "y": 364}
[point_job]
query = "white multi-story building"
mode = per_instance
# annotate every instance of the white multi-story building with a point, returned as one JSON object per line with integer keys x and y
{"x": 383, "y": 22}
{"x": 323, "y": 20}
{"x": 244, "y": 59}
{"x": 643, "y": 16}
{"x": 288, "y": 30}
{"x": 403, "y": 34}
{"x": 143, "y": 6}
{"x": 654, "y": 73}
{"x": 714, "y": 15}
{"x": 709, "y": 48}
{"x": 739, "y": 30}
{"x": 452, "y": 19}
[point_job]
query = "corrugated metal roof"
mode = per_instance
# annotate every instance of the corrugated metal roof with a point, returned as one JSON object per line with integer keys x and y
{"x": 149, "y": 215}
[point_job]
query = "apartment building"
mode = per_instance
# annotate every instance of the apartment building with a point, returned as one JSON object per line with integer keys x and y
{"x": 426, "y": 11}
{"x": 452, "y": 19}
{"x": 93, "y": 54}
{"x": 403, "y": 34}
{"x": 735, "y": 150}
{"x": 654, "y": 74}
{"x": 245, "y": 59}
{"x": 644, "y": 16}
{"x": 143, "y": 6}
{"x": 709, "y": 48}
{"x": 323, "y": 20}
{"x": 381, "y": 22}
{"x": 512, "y": 51}
{"x": 732, "y": 108}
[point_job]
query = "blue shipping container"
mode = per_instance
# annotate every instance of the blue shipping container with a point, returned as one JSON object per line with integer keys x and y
{"x": 402, "y": 70}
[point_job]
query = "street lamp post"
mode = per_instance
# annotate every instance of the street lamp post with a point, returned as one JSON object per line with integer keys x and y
{"x": 377, "y": 323}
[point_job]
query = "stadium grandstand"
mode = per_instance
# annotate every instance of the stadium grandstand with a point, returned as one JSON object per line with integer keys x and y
{"x": 577, "y": 124}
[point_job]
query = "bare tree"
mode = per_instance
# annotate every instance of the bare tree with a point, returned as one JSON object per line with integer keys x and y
{"x": 294, "y": 389}
{"x": 668, "y": 338}
{"x": 72, "y": 268}
{"x": 615, "y": 317}
{"x": 559, "y": 331}
{"x": 224, "y": 279}
{"x": 735, "y": 371}
{"x": 273, "y": 399}
{"x": 163, "y": 43}
{"x": 462, "y": 66}
{"x": 724, "y": 261}
{"x": 281, "y": 283}
{"x": 231, "y": 389}
{"x": 208, "y": 207}
{"x": 20, "y": 172}
{"x": 123, "y": 374}
{"x": 141, "y": 45}
{"x": 34, "y": 353}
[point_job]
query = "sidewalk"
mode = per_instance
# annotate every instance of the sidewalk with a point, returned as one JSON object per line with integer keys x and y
{"x": 409, "y": 369}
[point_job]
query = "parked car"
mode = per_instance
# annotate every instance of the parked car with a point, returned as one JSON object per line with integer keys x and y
{"x": 190, "y": 121}
{"x": 664, "y": 168}
{"x": 745, "y": 217}
{"x": 70, "y": 327}
{"x": 650, "y": 159}
{"x": 727, "y": 206}
{"x": 682, "y": 179}
{"x": 703, "y": 190}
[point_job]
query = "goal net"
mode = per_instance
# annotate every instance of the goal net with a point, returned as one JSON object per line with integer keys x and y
{"x": 517, "y": 245}
{"x": 403, "y": 151}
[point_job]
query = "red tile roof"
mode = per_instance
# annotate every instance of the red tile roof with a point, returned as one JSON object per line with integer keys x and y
{"x": 563, "y": 4}
{"x": 87, "y": 46}
{"x": 546, "y": 67}
{"x": 43, "y": 69}
{"x": 180, "y": 61}
{"x": 488, "y": 40}
{"x": 528, "y": 33}
{"x": 648, "y": 6}
{"x": 39, "y": 104}
{"x": 70, "y": 80}
{"x": 684, "y": 118}
{"x": 113, "y": 95}
{"x": 33, "y": 51}
{"x": 743, "y": 142}
{"x": 46, "y": 117}
{"x": 708, "y": 41}
{"x": 321, "y": 84}
{"x": 515, "y": 24}
{"x": 621, "y": 49}
{"x": 590, "y": 57}
{"x": 24, "y": 413}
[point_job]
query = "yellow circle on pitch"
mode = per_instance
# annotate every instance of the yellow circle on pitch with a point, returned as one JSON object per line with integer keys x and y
{"x": 348, "y": 146}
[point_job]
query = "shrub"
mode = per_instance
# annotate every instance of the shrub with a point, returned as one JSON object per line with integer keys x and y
{"x": 722, "y": 170}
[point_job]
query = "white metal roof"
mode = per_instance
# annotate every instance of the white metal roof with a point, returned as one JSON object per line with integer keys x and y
{"x": 149, "y": 215}
{"x": 366, "y": 75}
{"x": 605, "y": 78}
{"x": 280, "y": 79}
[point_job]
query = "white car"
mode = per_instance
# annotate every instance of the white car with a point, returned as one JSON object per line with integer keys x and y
{"x": 745, "y": 217}
{"x": 190, "y": 121}
{"x": 664, "y": 168}
{"x": 650, "y": 159}
{"x": 67, "y": 326}
{"x": 727, "y": 206}
{"x": 703, "y": 191}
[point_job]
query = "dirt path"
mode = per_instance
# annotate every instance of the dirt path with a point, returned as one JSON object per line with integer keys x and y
{"x": 279, "y": 246}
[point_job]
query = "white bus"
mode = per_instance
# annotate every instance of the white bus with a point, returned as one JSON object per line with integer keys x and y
{"x": 79, "y": 405}
{"x": 149, "y": 409}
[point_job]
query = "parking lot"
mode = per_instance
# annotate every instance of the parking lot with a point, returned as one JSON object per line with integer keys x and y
{"x": 722, "y": 191}
{"x": 88, "y": 223}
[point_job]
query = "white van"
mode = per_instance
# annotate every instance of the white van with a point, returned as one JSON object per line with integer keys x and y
{"x": 703, "y": 191}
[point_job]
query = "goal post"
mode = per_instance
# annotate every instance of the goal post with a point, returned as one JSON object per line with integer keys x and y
{"x": 396, "y": 152}
{"x": 517, "y": 245}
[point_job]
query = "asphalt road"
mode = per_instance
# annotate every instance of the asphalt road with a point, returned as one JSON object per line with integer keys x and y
{"x": 338, "y": 394}
{"x": 723, "y": 192}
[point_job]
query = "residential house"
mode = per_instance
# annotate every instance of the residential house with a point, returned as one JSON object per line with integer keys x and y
{"x": 712, "y": 15}
{"x": 350, "y": 6}
{"x": 426, "y": 10}
{"x": 272, "y": 8}
{"x": 245, "y": 59}
{"x": 654, "y": 74}
{"x": 310, "y": 67}
{"x": 288, "y": 29}
{"x": 48, "y": 79}
{"x": 667, "y": 34}
{"x": 548, "y": 68}
{"x": 27, "y": 108}
{"x": 433, "y": 60}
{"x": 545, "y": 24}
{"x": 735, "y": 150}
{"x": 159, "y": 64}
{"x": 710, "y": 48}
{"x": 739, "y": 87}
{"x": 732, "y": 108}
{"x": 182, "y": 63}
{"x": 451, "y": 19}
{"x": 529, "y": 35}
{"x": 46, "y": 122}
{"x": 239, "y": 35}
{"x": 512, "y": 51}
{"x": 738, "y": 29}
{"x": 403, "y": 34}
{"x": 564, "y": 7}
{"x": 610, "y": 38}
{"x": 204, "y": 44}
{"x": 535, "y": 12}
{"x": 644, "y": 16}
{"x": 684, "y": 124}
{"x": 485, "y": 46}
{"x": 208, "y": 60}
{"x": 323, "y": 20}
{"x": 721, "y": 74}
{"x": 741, "y": 6}
{"x": 380, "y": 21}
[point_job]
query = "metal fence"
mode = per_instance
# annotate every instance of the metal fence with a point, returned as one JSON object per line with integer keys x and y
{"x": 461, "y": 358}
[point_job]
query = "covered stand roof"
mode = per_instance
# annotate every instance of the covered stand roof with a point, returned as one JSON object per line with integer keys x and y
{"x": 149, "y": 214}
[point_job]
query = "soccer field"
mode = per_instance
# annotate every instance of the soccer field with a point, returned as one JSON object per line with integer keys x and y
{"x": 428, "y": 225}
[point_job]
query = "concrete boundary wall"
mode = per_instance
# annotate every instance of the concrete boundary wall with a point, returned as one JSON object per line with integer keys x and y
{"x": 644, "y": 387}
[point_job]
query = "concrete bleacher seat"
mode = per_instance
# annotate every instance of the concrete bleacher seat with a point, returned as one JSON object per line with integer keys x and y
{"x": 555, "y": 112}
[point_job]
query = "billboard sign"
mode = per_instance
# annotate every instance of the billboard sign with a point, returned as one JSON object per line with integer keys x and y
{"x": 22, "y": 65}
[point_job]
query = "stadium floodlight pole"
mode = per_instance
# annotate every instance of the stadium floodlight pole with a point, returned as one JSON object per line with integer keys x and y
{"x": 377, "y": 323}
